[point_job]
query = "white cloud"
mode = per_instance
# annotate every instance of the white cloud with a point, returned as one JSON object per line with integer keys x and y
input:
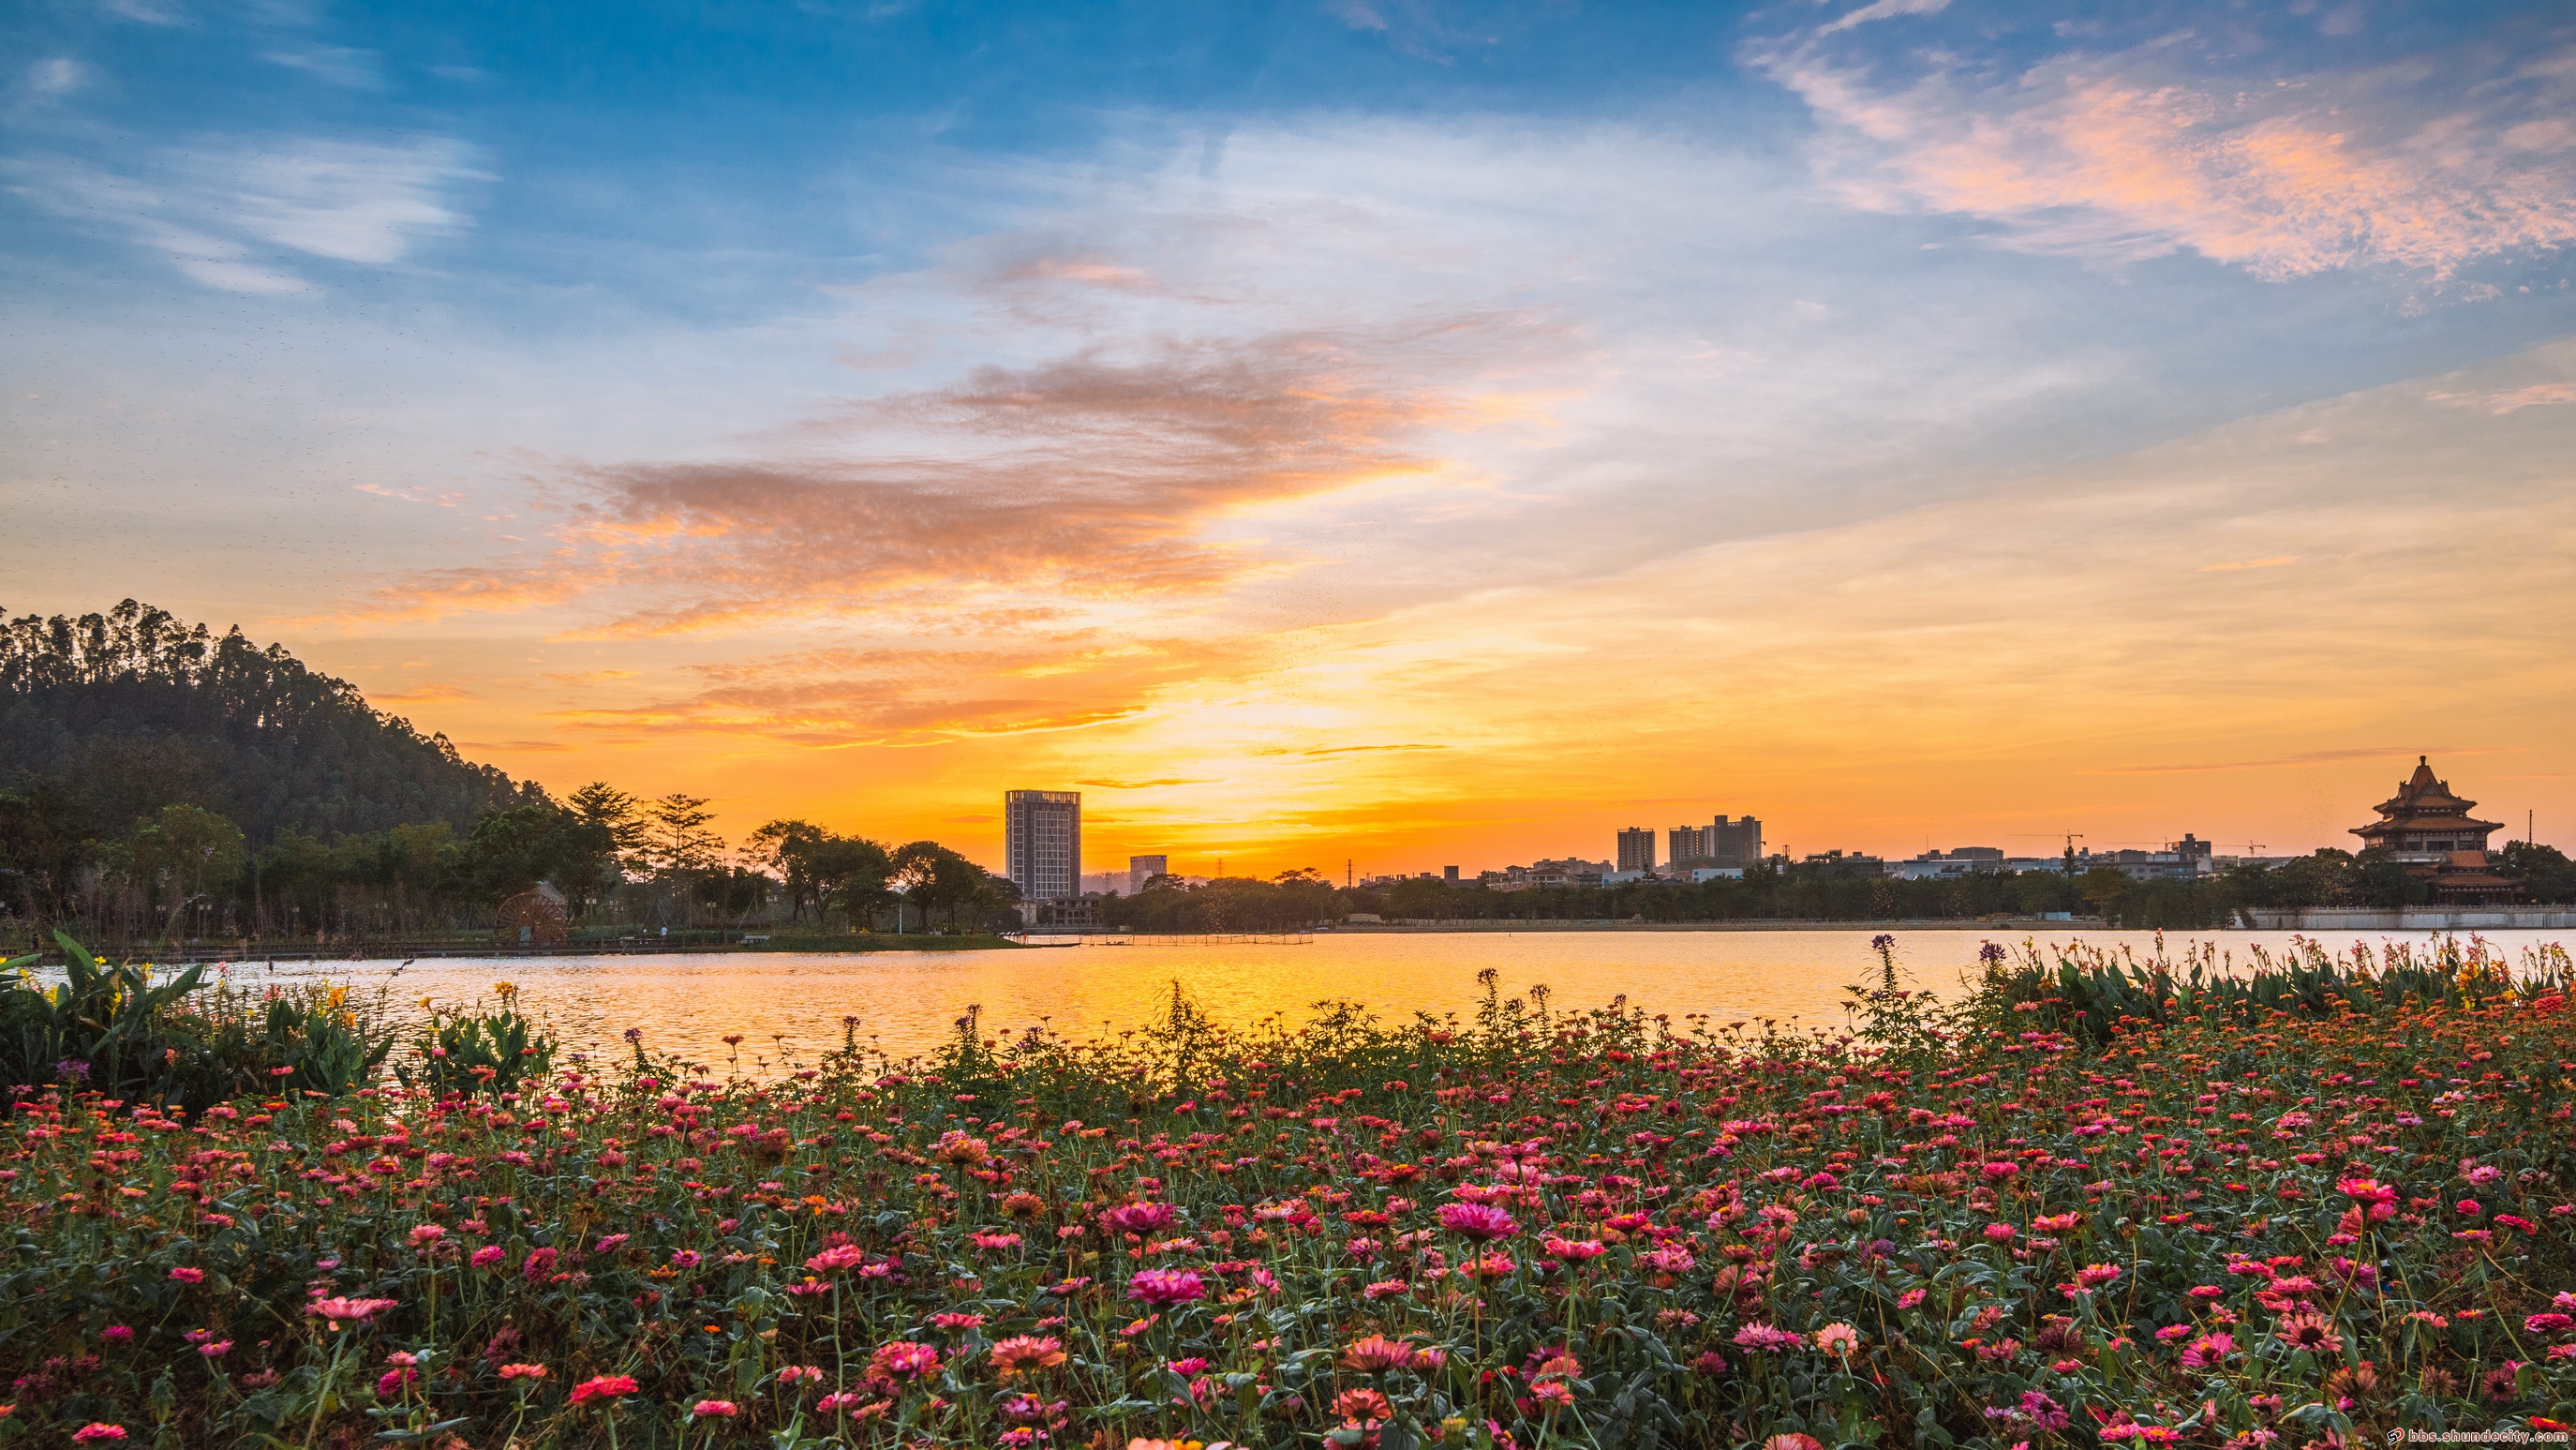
{"x": 233, "y": 216}
{"x": 356, "y": 70}
{"x": 51, "y": 79}
{"x": 149, "y": 12}
{"x": 1883, "y": 10}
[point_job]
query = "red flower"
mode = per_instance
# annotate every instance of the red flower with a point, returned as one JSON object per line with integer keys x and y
{"x": 608, "y": 1386}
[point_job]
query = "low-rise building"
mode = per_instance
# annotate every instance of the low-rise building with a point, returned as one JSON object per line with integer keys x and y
{"x": 1944, "y": 865}
{"x": 1540, "y": 875}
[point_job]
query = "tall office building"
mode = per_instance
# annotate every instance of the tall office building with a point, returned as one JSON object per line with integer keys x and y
{"x": 1042, "y": 843}
{"x": 1141, "y": 869}
{"x": 1636, "y": 849}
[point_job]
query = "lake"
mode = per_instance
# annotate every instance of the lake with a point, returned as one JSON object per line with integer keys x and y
{"x": 908, "y": 1001}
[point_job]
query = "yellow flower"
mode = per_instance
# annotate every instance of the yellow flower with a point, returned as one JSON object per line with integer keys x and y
{"x": 505, "y": 990}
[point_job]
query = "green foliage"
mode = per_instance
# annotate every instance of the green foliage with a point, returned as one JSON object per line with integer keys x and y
{"x": 180, "y": 1042}
{"x": 319, "y": 1045}
{"x": 1227, "y": 904}
{"x": 462, "y": 1052}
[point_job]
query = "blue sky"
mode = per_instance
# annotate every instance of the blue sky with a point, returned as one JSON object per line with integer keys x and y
{"x": 986, "y": 389}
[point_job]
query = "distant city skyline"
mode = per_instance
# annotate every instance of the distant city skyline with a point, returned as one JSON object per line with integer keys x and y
{"x": 1731, "y": 844}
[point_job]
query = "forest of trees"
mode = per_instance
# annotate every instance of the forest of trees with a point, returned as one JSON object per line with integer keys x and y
{"x": 160, "y": 782}
{"x": 1803, "y": 892}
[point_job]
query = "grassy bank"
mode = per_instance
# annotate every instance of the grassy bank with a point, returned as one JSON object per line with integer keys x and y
{"x": 2089, "y": 1204}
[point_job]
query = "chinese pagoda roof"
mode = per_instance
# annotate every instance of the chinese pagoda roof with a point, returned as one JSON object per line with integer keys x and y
{"x": 2424, "y": 803}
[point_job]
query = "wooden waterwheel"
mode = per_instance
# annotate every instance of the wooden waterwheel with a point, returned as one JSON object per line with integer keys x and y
{"x": 530, "y": 919}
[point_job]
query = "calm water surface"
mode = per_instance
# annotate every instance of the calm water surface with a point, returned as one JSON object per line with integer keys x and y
{"x": 908, "y": 1001}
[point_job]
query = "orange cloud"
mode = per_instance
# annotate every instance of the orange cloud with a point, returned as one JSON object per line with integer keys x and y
{"x": 2511, "y": 400}
{"x": 1082, "y": 479}
{"x": 2107, "y": 155}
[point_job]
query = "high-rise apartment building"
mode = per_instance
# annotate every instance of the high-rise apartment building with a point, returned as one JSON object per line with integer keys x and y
{"x": 1719, "y": 843}
{"x": 1042, "y": 843}
{"x": 1636, "y": 849}
{"x": 1141, "y": 869}
{"x": 1736, "y": 844}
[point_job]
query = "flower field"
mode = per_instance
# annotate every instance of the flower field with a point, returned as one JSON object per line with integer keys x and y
{"x": 2016, "y": 1221}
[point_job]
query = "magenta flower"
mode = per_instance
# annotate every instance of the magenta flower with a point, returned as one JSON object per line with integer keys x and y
{"x": 187, "y": 1275}
{"x": 1478, "y": 1221}
{"x": 1166, "y": 1286}
{"x": 1140, "y": 1218}
{"x": 903, "y": 1359}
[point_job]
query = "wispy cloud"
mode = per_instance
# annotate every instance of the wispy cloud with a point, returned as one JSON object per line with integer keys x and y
{"x": 342, "y": 66}
{"x": 148, "y": 12}
{"x": 1088, "y": 478}
{"x": 46, "y": 81}
{"x": 426, "y": 694}
{"x": 2510, "y": 400}
{"x": 2287, "y": 762}
{"x": 235, "y": 215}
{"x": 2139, "y": 152}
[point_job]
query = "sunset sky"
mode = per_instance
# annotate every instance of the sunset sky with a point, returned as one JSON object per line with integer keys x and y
{"x": 1382, "y": 430}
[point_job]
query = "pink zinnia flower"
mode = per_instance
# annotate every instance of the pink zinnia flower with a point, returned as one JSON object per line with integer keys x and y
{"x": 833, "y": 1260}
{"x": 187, "y": 1275}
{"x": 903, "y": 1359}
{"x": 95, "y": 1431}
{"x": 1479, "y": 1221}
{"x": 1140, "y": 1218}
{"x": 1166, "y": 1286}
{"x": 2209, "y": 1351}
{"x": 715, "y": 1409}
{"x": 348, "y": 1311}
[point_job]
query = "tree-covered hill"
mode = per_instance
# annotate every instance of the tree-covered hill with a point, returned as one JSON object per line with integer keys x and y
{"x": 108, "y": 718}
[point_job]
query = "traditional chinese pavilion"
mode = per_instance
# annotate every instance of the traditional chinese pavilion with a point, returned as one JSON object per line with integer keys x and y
{"x": 2430, "y": 830}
